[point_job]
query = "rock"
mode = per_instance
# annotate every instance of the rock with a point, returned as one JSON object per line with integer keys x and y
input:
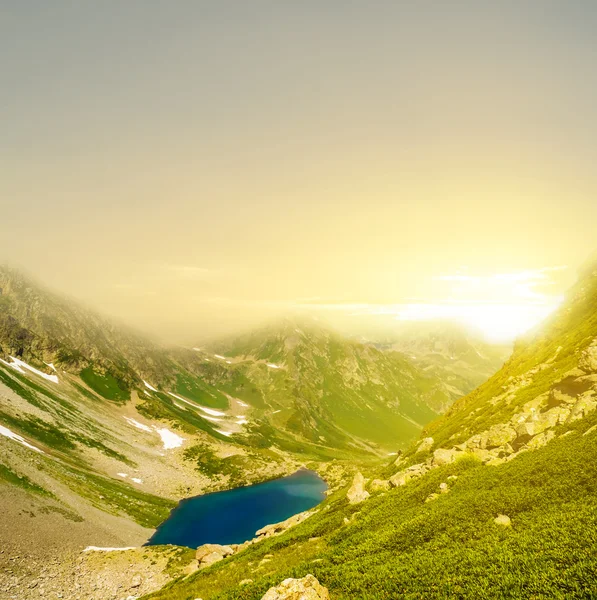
{"x": 585, "y": 405}
{"x": 278, "y": 528}
{"x": 541, "y": 440}
{"x": 503, "y": 520}
{"x": 136, "y": 581}
{"x": 307, "y": 588}
{"x": 588, "y": 358}
{"x": 401, "y": 478}
{"x": 380, "y": 485}
{"x": 246, "y": 582}
{"x": 211, "y": 553}
{"x": 590, "y": 430}
{"x": 432, "y": 497}
{"x": 425, "y": 445}
{"x": 499, "y": 435}
{"x": 443, "y": 488}
{"x": 417, "y": 470}
{"x": 444, "y": 457}
{"x": 357, "y": 492}
{"x": 524, "y": 429}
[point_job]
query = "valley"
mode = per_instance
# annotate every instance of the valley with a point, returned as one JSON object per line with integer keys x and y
{"x": 103, "y": 431}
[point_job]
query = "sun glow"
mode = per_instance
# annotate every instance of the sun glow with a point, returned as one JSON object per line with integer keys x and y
{"x": 497, "y": 322}
{"x": 501, "y": 306}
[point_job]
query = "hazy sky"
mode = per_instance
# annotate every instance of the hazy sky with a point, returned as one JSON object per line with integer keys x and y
{"x": 192, "y": 167}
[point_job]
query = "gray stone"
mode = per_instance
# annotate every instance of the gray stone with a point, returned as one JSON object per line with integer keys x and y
{"x": 357, "y": 492}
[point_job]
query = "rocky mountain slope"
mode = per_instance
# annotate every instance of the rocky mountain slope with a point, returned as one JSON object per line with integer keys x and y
{"x": 463, "y": 360}
{"x": 497, "y": 499}
{"x": 326, "y": 388}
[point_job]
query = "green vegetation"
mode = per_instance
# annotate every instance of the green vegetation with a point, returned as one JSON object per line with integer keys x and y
{"x": 398, "y": 546}
{"x": 194, "y": 388}
{"x": 22, "y": 481}
{"x": 105, "y": 385}
{"x": 114, "y": 496}
{"x": 209, "y": 464}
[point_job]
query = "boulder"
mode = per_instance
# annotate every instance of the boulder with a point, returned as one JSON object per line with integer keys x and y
{"x": 431, "y": 497}
{"x": 357, "y": 492}
{"x": 499, "y": 435}
{"x": 541, "y": 440}
{"x": 307, "y": 588}
{"x": 443, "y": 488}
{"x": 584, "y": 405}
{"x": 503, "y": 520}
{"x": 401, "y": 478}
{"x": 211, "y": 553}
{"x": 588, "y": 358}
{"x": 444, "y": 457}
{"x": 425, "y": 445}
{"x": 417, "y": 470}
{"x": 524, "y": 429}
{"x": 380, "y": 485}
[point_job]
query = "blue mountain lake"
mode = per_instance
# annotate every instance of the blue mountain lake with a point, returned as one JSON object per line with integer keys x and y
{"x": 233, "y": 516}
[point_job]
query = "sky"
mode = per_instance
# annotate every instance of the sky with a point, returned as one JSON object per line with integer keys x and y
{"x": 195, "y": 168}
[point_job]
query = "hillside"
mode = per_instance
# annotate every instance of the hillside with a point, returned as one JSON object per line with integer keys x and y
{"x": 497, "y": 499}
{"x": 325, "y": 388}
{"x": 102, "y": 431}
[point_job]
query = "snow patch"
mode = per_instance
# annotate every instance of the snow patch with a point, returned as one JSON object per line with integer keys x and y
{"x": 20, "y": 366}
{"x": 98, "y": 549}
{"x": 214, "y": 419}
{"x": 169, "y": 439}
{"x": 18, "y": 438}
{"x": 273, "y": 366}
{"x": 276, "y": 412}
{"x": 243, "y": 403}
{"x": 123, "y": 475}
{"x": 210, "y": 411}
{"x": 149, "y": 387}
{"x": 137, "y": 480}
{"x": 220, "y": 356}
{"x": 226, "y": 433}
{"x": 137, "y": 424}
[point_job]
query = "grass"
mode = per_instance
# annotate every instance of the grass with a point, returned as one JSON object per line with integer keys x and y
{"x": 22, "y": 481}
{"x": 105, "y": 385}
{"x": 196, "y": 389}
{"x": 398, "y": 546}
{"x": 113, "y": 496}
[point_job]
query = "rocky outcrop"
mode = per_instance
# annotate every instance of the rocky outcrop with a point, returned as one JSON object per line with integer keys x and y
{"x": 588, "y": 358}
{"x": 278, "y": 528}
{"x": 208, "y": 554}
{"x": 307, "y": 588}
{"x": 570, "y": 399}
{"x": 357, "y": 492}
{"x": 425, "y": 445}
{"x": 379, "y": 485}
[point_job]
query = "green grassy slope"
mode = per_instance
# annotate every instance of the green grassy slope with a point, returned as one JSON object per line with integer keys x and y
{"x": 398, "y": 546}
